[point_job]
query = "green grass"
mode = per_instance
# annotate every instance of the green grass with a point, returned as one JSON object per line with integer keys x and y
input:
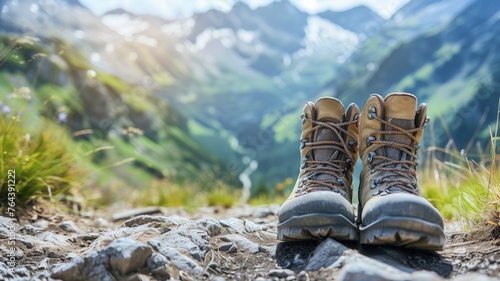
{"x": 464, "y": 189}
{"x": 43, "y": 161}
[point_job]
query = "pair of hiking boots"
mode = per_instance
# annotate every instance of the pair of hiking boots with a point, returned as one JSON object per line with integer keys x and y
{"x": 391, "y": 209}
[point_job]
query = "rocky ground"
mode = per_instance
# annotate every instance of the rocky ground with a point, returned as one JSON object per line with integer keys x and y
{"x": 217, "y": 244}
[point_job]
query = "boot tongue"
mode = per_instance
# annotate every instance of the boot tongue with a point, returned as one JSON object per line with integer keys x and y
{"x": 400, "y": 110}
{"x": 328, "y": 110}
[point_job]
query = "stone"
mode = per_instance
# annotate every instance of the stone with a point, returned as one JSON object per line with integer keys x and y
{"x": 191, "y": 236}
{"x": 54, "y": 239}
{"x": 242, "y": 243}
{"x": 42, "y": 224}
{"x": 228, "y": 248}
{"x": 123, "y": 256}
{"x": 210, "y": 225}
{"x": 89, "y": 236}
{"x": 68, "y": 271}
{"x": 281, "y": 273}
{"x": 235, "y": 224}
{"x": 44, "y": 264}
{"x": 218, "y": 278}
{"x": 157, "y": 264}
{"x": 6, "y": 222}
{"x": 31, "y": 230}
{"x": 4, "y": 269}
{"x": 69, "y": 226}
{"x": 358, "y": 269}
{"x": 250, "y": 226}
{"x": 4, "y": 233}
{"x": 101, "y": 222}
{"x": 328, "y": 252}
{"x": 178, "y": 259}
{"x": 156, "y": 260}
{"x": 27, "y": 241}
{"x": 127, "y": 255}
{"x": 22, "y": 271}
{"x": 52, "y": 255}
{"x": 71, "y": 256}
{"x": 146, "y": 219}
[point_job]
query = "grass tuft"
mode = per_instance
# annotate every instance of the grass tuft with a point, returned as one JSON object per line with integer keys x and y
{"x": 44, "y": 164}
{"x": 464, "y": 189}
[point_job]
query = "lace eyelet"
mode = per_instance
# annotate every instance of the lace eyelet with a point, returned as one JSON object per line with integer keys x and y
{"x": 348, "y": 160}
{"x": 303, "y": 143}
{"x": 370, "y": 157}
{"x": 352, "y": 143}
{"x": 369, "y": 140}
{"x": 373, "y": 112}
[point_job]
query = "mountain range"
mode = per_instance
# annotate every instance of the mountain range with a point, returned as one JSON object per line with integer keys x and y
{"x": 223, "y": 91}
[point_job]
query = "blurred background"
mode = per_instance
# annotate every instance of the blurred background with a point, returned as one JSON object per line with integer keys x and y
{"x": 196, "y": 102}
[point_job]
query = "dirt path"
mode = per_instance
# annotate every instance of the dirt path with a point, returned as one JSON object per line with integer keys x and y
{"x": 217, "y": 244}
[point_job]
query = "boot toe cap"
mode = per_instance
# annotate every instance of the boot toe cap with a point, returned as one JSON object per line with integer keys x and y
{"x": 320, "y": 202}
{"x": 400, "y": 205}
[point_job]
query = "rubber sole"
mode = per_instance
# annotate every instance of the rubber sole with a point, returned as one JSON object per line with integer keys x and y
{"x": 403, "y": 232}
{"x": 317, "y": 226}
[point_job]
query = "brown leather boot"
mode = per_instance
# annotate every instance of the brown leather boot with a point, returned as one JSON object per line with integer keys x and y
{"x": 320, "y": 203}
{"x": 391, "y": 207}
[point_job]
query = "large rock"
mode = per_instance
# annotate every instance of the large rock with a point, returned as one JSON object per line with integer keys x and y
{"x": 328, "y": 252}
{"x": 127, "y": 255}
{"x": 122, "y": 257}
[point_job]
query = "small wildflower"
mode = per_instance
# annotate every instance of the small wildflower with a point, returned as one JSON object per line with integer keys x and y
{"x": 5, "y": 109}
{"x": 61, "y": 117}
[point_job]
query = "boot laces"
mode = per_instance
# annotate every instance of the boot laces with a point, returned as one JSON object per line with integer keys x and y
{"x": 398, "y": 175}
{"x": 335, "y": 168}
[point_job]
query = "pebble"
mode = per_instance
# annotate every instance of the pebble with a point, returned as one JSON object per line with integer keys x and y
{"x": 250, "y": 226}
{"x": 235, "y": 224}
{"x": 281, "y": 273}
{"x": 242, "y": 243}
{"x": 42, "y": 224}
{"x": 52, "y": 255}
{"x": 228, "y": 248}
{"x": 69, "y": 226}
{"x": 145, "y": 219}
{"x": 31, "y": 230}
{"x": 44, "y": 264}
{"x": 178, "y": 259}
{"x": 22, "y": 271}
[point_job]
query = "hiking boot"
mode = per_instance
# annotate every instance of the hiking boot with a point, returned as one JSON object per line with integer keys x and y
{"x": 320, "y": 203}
{"x": 391, "y": 208}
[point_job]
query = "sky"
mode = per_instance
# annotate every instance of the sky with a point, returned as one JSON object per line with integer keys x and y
{"x": 184, "y": 8}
